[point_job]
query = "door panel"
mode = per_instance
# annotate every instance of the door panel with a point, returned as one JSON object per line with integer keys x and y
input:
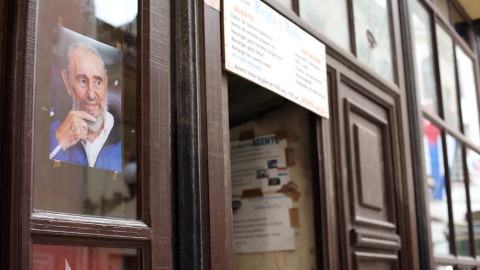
{"x": 368, "y": 193}
{"x": 369, "y": 164}
{"x": 373, "y": 261}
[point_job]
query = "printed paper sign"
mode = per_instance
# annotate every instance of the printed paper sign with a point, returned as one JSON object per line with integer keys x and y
{"x": 258, "y": 163}
{"x": 262, "y": 224}
{"x": 267, "y": 49}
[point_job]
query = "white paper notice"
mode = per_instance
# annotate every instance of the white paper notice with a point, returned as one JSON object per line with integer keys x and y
{"x": 258, "y": 163}
{"x": 262, "y": 224}
{"x": 266, "y": 48}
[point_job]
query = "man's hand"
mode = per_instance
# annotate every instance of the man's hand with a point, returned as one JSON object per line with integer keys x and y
{"x": 73, "y": 129}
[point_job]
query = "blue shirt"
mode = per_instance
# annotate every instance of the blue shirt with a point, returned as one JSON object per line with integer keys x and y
{"x": 109, "y": 158}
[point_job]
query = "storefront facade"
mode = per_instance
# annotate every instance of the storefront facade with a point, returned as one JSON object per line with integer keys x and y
{"x": 387, "y": 178}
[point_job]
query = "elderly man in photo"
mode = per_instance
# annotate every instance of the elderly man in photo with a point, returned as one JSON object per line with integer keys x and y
{"x": 89, "y": 135}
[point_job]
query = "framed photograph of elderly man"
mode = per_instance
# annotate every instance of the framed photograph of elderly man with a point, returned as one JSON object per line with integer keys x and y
{"x": 86, "y": 117}
{"x": 85, "y": 112}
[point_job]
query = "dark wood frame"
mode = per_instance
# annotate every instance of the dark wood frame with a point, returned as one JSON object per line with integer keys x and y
{"x": 152, "y": 234}
{"x": 218, "y": 144}
{"x": 422, "y": 199}
{"x": 202, "y": 141}
{"x": 187, "y": 225}
{"x": 398, "y": 90}
{"x": 187, "y": 134}
{"x": 5, "y": 98}
{"x": 416, "y": 143}
{"x": 326, "y": 209}
{"x": 329, "y": 234}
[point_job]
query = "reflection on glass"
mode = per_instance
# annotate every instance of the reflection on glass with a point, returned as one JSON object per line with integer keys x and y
{"x": 372, "y": 35}
{"x": 116, "y": 13}
{"x": 468, "y": 96}
{"x": 460, "y": 25}
{"x": 85, "y": 110}
{"x": 447, "y": 77}
{"x": 323, "y": 14}
{"x": 423, "y": 57}
{"x": 83, "y": 258}
{"x": 287, "y": 3}
{"x": 435, "y": 172}
{"x": 459, "y": 196}
{"x": 473, "y": 165}
{"x": 444, "y": 267}
{"x": 442, "y": 7}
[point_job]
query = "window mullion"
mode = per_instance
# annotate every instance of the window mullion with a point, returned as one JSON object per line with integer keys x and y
{"x": 469, "y": 217}
{"x": 296, "y": 7}
{"x": 351, "y": 25}
{"x": 451, "y": 226}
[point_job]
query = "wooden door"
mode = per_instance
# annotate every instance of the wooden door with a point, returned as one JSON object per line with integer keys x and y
{"x": 369, "y": 174}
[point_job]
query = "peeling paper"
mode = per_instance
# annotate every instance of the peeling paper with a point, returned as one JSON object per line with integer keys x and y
{"x": 252, "y": 193}
{"x": 290, "y": 154}
{"x": 294, "y": 217}
{"x": 291, "y": 190}
{"x": 287, "y": 134}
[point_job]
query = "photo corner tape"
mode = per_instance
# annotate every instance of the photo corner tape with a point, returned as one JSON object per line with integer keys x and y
{"x": 294, "y": 217}
{"x": 56, "y": 164}
{"x": 252, "y": 193}
{"x": 290, "y": 190}
{"x": 290, "y": 154}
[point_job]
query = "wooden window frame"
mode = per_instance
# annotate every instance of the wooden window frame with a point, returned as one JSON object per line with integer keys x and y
{"x": 328, "y": 234}
{"x": 392, "y": 17}
{"x": 415, "y": 111}
{"x": 152, "y": 233}
{"x": 436, "y": 18}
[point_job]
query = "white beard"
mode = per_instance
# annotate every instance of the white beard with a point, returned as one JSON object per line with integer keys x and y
{"x": 92, "y": 126}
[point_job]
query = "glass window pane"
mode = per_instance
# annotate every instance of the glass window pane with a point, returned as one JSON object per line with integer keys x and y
{"x": 447, "y": 77}
{"x": 372, "y": 35}
{"x": 287, "y": 3}
{"x": 325, "y": 13}
{"x": 435, "y": 172}
{"x": 275, "y": 223}
{"x": 420, "y": 21}
{"x": 460, "y": 25}
{"x": 83, "y": 258}
{"x": 468, "y": 96}
{"x": 85, "y": 108}
{"x": 473, "y": 165}
{"x": 442, "y": 7}
{"x": 459, "y": 196}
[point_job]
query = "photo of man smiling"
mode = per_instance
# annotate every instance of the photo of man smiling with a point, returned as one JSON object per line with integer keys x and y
{"x": 89, "y": 135}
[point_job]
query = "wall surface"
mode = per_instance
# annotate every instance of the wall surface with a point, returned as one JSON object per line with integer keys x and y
{"x": 293, "y": 122}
